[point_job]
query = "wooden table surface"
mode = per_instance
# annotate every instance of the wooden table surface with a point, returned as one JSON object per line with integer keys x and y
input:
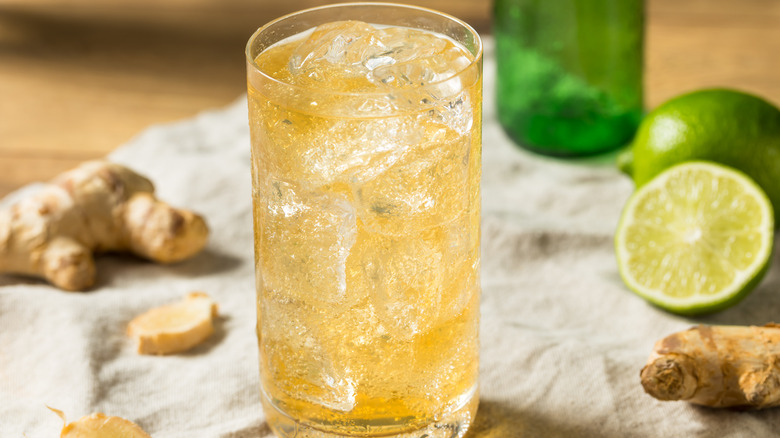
{"x": 80, "y": 77}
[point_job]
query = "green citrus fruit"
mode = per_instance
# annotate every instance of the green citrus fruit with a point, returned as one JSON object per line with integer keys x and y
{"x": 729, "y": 127}
{"x": 697, "y": 238}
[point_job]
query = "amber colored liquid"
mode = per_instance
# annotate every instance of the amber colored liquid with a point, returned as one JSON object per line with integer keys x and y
{"x": 367, "y": 257}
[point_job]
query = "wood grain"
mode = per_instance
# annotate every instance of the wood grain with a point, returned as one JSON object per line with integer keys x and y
{"x": 80, "y": 77}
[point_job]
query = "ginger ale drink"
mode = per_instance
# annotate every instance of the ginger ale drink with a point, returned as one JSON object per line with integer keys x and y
{"x": 366, "y": 152}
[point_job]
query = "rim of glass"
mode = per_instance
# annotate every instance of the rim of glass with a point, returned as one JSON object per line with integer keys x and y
{"x": 251, "y": 61}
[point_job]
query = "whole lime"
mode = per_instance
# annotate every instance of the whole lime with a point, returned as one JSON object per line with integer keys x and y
{"x": 730, "y": 127}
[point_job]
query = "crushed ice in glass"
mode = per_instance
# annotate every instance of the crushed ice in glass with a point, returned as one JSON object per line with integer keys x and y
{"x": 393, "y": 57}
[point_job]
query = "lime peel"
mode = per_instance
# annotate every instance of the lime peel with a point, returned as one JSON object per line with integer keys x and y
{"x": 690, "y": 259}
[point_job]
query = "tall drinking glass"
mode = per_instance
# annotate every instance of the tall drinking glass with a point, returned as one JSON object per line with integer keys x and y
{"x": 365, "y": 123}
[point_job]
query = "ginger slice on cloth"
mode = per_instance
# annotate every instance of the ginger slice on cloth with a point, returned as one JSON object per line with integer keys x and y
{"x": 717, "y": 366}
{"x": 175, "y": 327}
{"x": 99, "y": 425}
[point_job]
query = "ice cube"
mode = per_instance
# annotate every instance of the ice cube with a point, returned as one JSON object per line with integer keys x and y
{"x": 408, "y": 57}
{"x": 402, "y": 275}
{"x": 403, "y": 75}
{"x": 364, "y": 149}
{"x": 304, "y": 240}
{"x": 319, "y": 151}
{"x": 457, "y": 114}
{"x": 358, "y": 342}
{"x": 420, "y": 58}
{"x": 298, "y": 360}
{"x": 445, "y": 357}
{"x": 416, "y": 281}
{"x": 378, "y": 60}
{"x": 428, "y": 186}
{"x": 461, "y": 261}
{"x": 335, "y": 54}
{"x": 404, "y": 44}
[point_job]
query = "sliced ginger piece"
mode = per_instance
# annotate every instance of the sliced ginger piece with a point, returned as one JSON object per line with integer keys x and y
{"x": 175, "y": 327}
{"x": 99, "y": 425}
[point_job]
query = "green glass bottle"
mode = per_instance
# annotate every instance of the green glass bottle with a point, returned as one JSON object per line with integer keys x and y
{"x": 569, "y": 73}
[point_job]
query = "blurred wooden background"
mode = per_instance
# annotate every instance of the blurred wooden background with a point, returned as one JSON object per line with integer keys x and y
{"x": 80, "y": 77}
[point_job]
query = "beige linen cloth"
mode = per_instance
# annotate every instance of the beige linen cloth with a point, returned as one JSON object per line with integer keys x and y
{"x": 562, "y": 339}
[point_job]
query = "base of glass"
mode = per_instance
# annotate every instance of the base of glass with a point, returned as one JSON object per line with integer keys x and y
{"x": 453, "y": 424}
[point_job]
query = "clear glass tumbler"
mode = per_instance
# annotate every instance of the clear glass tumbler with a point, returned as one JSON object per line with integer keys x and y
{"x": 365, "y": 125}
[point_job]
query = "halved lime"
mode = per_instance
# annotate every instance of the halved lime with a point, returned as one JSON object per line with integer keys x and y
{"x": 695, "y": 239}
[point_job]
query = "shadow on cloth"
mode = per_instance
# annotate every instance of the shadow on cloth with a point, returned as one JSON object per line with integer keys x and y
{"x": 112, "y": 267}
{"x": 494, "y": 420}
{"x": 14, "y": 279}
{"x": 213, "y": 340}
{"x": 208, "y": 262}
{"x": 261, "y": 431}
{"x": 108, "y": 266}
{"x": 760, "y": 307}
{"x": 500, "y": 420}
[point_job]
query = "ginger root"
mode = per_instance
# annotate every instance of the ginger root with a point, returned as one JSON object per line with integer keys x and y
{"x": 99, "y": 425}
{"x": 175, "y": 327}
{"x": 717, "y": 366}
{"x": 97, "y": 207}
